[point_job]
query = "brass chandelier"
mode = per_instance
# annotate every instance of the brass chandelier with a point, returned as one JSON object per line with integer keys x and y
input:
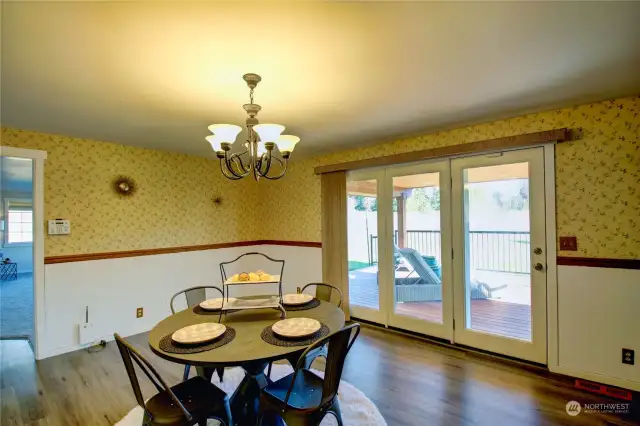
{"x": 258, "y": 157}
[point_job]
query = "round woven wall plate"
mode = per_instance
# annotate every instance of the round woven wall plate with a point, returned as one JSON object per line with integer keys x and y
{"x": 313, "y": 304}
{"x": 273, "y": 339}
{"x": 168, "y": 345}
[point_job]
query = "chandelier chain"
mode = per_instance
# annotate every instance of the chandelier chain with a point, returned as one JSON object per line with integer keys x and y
{"x": 251, "y": 95}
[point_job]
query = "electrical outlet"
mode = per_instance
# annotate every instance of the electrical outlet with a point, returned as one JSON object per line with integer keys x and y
{"x": 569, "y": 243}
{"x": 628, "y": 356}
{"x": 139, "y": 313}
{"x": 298, "y": 290}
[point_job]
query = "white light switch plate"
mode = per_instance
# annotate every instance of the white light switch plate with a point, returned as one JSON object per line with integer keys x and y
{"x": 59, "y": 227}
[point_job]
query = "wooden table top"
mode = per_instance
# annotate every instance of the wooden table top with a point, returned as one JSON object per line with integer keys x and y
{"x": 247, "y": 345}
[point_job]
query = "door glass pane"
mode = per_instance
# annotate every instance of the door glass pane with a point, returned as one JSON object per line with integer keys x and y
{"x": 497, "y": 250}
{"x": 362, "y": 226}
{"x": 417, "y": 248}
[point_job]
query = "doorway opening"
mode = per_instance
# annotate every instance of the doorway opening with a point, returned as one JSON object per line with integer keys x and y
{"x": 17, "y": 299}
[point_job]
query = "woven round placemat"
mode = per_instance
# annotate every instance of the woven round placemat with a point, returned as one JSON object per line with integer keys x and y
{"x": 273, "y": 339}
{"x": 168, "y": 345}
{"x": 314, "y": 303}
{"x": 199, "y": 311}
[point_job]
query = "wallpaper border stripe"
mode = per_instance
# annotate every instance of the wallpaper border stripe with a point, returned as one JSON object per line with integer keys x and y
{"x": 592, "y": 262}
{"x": 595, "y": 262}
{"x": 48, "y": 260}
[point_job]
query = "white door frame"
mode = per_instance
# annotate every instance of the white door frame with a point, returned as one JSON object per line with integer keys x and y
{"x": 38, "y": 158}
{"x": 536, "y": 349}
{"x": 552, "y": 253}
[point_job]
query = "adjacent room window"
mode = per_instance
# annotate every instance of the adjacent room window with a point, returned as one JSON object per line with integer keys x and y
{"x": 18, "y": 222}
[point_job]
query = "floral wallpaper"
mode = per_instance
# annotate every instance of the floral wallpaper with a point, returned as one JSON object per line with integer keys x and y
{"x": 597, "y": 187}
{"x": 597, "y": 176}
{"x": 172, "y": 207}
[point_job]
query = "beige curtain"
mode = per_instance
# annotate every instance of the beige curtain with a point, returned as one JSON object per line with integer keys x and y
{"x": 334, "y": 234}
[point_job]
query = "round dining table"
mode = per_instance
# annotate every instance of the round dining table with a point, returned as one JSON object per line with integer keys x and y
{"x": 246, "y": 350}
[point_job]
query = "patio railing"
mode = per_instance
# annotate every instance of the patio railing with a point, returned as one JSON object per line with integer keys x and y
{"x": 498, "y": 251}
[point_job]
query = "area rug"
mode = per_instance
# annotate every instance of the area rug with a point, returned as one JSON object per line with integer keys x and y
{"x": 357, "y": 409}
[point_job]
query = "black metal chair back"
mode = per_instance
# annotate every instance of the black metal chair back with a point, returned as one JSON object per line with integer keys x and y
{"x": 340, "y": 344}
{"x": 130, "y": 356}
{"x": 325, "y": 292}
{"x": 193, "y": 295}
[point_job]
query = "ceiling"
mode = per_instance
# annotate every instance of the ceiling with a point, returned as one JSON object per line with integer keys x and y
{"x": 16, "y": 175}
{"x": 337, "y": 74}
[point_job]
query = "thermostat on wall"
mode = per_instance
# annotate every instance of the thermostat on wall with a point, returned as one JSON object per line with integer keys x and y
{"x": 59, "y": 227}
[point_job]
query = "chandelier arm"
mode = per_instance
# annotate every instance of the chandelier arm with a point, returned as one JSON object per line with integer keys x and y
{"x": 226, "y": 174}
{"x": 228, "y": 159}
{"x": 238, "y": 157}
{"x": 237, "y": 161}
{"x": 284, "y": 170}
{"x": 265, "y": 160}
{"x": 255, "y": 161}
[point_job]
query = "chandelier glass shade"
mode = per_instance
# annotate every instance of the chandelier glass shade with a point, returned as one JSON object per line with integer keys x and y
{"x": 258, "y": 157}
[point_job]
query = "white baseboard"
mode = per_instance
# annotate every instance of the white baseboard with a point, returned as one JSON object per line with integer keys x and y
{"x": 60, "y": 350}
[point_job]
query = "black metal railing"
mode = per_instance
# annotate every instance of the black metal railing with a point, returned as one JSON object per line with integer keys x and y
{"x": 499, "y": 251}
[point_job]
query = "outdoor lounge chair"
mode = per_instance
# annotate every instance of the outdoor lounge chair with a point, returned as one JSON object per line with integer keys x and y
{"x": 427, "y": 286}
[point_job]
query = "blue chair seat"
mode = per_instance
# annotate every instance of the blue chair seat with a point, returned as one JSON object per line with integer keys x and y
{"x": 306, "y": 393}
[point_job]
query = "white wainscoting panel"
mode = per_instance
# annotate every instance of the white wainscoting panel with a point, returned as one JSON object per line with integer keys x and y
{"x": 114, "y": 288}
{"x": 598, "y": 315}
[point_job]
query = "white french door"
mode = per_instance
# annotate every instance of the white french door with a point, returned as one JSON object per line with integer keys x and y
{"x": 415, "y": 209}
{"x": 499, "y": 240}
{"x": 366, "y": 299}
{"x": 453, "y": 249}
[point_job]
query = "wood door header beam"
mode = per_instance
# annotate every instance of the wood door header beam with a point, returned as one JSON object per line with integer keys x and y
{"x": 507, "y": 142}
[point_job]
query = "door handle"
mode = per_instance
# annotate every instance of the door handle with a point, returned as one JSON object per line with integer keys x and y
{"x": 538, "y": 266}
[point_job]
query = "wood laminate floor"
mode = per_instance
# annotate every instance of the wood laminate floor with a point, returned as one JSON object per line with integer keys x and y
{"x": 413, "y": 382}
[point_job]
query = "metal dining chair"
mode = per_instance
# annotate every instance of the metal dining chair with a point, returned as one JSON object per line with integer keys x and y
{"x": 302, "y": 398}
{"x": 188, "y": 403}
{"x": 193, "y": 296}
{"x": 325, "y": 293}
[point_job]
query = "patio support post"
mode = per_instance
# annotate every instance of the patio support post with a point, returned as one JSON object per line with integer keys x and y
{"x": 402, "y": 220}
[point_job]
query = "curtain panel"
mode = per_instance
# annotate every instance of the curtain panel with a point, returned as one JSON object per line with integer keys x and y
{"x": 334, "y": 233}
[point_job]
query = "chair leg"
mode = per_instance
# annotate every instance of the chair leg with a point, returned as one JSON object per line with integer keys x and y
{"x": 228, "y": 421}
{"x": 185, "y": 376}
{"x": 146, "y": 420}
{"x": 335, "y": 410}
